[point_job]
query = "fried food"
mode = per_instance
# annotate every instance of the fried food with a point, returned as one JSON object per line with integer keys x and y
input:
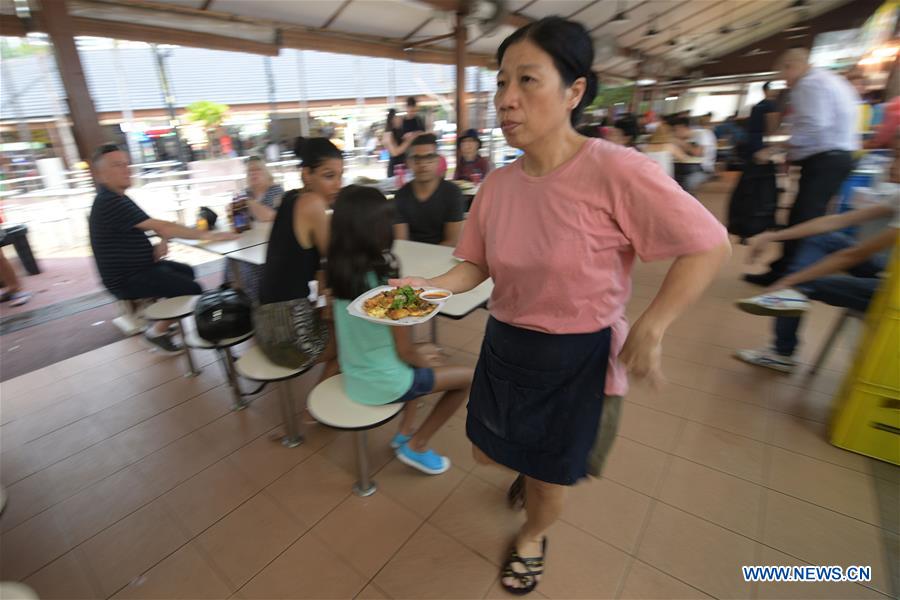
{"x": 397, "y": 304}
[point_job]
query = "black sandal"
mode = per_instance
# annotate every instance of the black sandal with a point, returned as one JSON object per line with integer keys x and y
{"x": 515, "y": 497}
{"x": 534, "y": 567}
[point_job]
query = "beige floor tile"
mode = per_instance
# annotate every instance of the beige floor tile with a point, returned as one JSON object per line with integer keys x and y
{"x": 236, "y": 429}
{"x": 803, "y": 403}
{"x": 722, "y": 450}
{"x": 579, "y": 565}
{"x": 66, "y": 578}
{"x": 451, "y": 441}
{"x": 372, "y": 592}
{"x": 434, "y": 565}
{"x": 697, "y": 552}
{"x": 265, "y": 459}
{"x": 496, "y": 475}
{"x": 824, "y": 537}
{"x": 184, "y": 574}
{"x": 149, "y": 436}
{"x": 842, "y": 490}
{"x": 61, "y": 480}
{"x": 728, "y": 501}
{"x": 731, "y": 415}
{"x": 607, "y": 510}
{"x": 308, "y": 569}
{"x": 643, "y": 582}
{"x": 177, "y": 462}
{"x": 498, "y": 593}
{"x": 420, "y": 493}
{"x": 807, "y": 590}
{"x": 670, "y": 398}
{"x": 367, "y": 532}
{"x": 205, "y": 408}
{"x": 208, "y": 496}
{"x": 635, "y": 465}
{"x": 58, "y": 445}
{"x": 92, "y": 510}
{"x": 649, "y": 427}
{"x": 811, "y": 438}
{"x": 33, "y": 545}
{"x": 132, "y": 546}
{"x": 342, "y": 451}
{"x": 249, "y": 538}
{"x": 477, "y": 515}
{"x": 312, "y": 489}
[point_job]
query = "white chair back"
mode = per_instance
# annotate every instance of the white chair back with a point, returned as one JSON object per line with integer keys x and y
{"x": 664, "y": 160}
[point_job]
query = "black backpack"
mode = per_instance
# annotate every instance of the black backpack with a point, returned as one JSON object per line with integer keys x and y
{"x": 222, "y": 314}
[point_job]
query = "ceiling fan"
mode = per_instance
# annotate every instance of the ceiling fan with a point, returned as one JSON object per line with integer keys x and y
{"x": 485, "y": 16}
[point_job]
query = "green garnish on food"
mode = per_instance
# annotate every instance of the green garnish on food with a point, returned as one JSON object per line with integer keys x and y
{"x": 406, "y": 297}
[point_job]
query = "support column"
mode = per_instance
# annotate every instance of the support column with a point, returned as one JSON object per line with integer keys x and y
{"x": 462, "y": 117}
{"x": 86, "y": 125}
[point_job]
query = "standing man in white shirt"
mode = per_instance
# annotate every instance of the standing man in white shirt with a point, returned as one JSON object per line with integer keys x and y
{"x": 824, "y": 136}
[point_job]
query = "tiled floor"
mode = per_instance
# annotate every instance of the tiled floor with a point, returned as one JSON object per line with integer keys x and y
{"x": 127, "y": 480}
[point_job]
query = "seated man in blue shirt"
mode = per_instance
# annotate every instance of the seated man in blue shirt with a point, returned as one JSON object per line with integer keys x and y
{"x": 129, "y": 265}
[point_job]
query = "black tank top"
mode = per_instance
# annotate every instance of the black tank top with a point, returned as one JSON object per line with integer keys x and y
{"x": 396, "y": 160}
{"x": 289, "y": 266}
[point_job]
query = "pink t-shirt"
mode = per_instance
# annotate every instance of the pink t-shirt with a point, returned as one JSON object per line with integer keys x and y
{"x": 560, "y": 248}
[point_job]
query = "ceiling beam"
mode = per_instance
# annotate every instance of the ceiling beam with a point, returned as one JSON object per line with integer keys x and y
{"x": 12, "y": 26}
{"x": 336, "y": 14}
{"x": 418, "y": 29}
{"x": 206, "y": 4}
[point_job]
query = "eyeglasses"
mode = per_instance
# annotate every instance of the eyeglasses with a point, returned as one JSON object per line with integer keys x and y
{"x": 424, "y": 157}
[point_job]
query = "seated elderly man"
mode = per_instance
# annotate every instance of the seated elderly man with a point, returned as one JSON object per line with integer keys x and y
{"x": 129, "y": 265}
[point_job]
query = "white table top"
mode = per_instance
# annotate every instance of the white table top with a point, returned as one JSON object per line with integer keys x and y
{"x": 8, "y": 193}
{"x": 197, "y": 181}
{"x": 259, "y": 234}
{"x": 164, "y": 174}
{"x": 430, "y": 260}
{"x": 254, "y": 255}
{"x": 416, "y": 258}
{"x": 776, "y": 139}
{"x": 59, "y": 192}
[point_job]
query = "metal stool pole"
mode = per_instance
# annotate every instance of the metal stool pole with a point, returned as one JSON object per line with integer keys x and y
{"x": 193, "y": 372}
{"x": 293, "y": 437}
{"x": 364, "y": 487}
{"x": 832, "y": 338}
{"x": 227, "y": 361}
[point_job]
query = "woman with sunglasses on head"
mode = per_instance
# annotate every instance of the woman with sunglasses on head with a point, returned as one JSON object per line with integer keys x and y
{"x": 558, "y": 231}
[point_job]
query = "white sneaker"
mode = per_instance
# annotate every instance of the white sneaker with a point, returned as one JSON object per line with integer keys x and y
{"x": 767, "y": 358}
{"x": 781, "y": 303}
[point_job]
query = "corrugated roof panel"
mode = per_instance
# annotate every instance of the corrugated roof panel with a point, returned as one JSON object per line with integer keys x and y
{"x": 227, "y": 77}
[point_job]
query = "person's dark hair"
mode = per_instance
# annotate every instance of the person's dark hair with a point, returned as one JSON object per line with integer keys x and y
{"x": 411, "y": 102}
{"x": 470, "y": 134}
{"x": 256, "y": 159}
{"x": 684, "y": 121}
{"x": 766, "y": 86}
{"x": 590, "y": 130}
{"x": 362, "y": 233}
{"x": 103, "y": 150}
{"x": 312, "y": 152}
{"x": 390, "y": 119}
{"x": 571, "y": 48}
{"x": 426, "y": 139}
{"x": 629, "y": 126}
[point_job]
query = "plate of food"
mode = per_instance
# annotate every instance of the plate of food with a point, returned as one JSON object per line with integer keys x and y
{"x": 402, "y": 306}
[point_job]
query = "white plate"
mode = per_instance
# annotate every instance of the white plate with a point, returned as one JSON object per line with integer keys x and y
{"x": 355, "y": 309}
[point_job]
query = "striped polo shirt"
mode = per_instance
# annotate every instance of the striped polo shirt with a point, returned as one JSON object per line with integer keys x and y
{"x": 120, "y": 248}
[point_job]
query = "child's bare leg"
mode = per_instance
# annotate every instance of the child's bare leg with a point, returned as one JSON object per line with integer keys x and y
{"x": 455, "y": 381}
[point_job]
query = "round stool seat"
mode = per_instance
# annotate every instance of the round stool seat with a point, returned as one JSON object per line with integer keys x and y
{"x": 195, "y": 341}
{"x": 254, "y": 365}
{"x": 171, "y": 308}
{"x": 330, "y": 405}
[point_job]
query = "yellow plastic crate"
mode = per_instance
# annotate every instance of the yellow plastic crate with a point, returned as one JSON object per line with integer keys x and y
{"x": 867, "y": 415}
{"x": 869, "y": 424}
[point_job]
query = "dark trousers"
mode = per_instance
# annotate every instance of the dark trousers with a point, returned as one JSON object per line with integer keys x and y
{"x": 821, "y": 176}
{"x": 846, "y": 291}
{"x": 165, "y": 279}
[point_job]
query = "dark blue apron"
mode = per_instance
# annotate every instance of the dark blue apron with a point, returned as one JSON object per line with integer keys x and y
{"x": 537, "y": 398}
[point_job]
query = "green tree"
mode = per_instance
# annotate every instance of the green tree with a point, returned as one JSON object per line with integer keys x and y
{"x": 9, "y": 49}
{"x": 610, "y": 96}
{"x": 209, "y": 114}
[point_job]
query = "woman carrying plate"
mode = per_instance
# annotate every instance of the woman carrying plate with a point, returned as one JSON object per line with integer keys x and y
{"x": 558, "y": 231}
